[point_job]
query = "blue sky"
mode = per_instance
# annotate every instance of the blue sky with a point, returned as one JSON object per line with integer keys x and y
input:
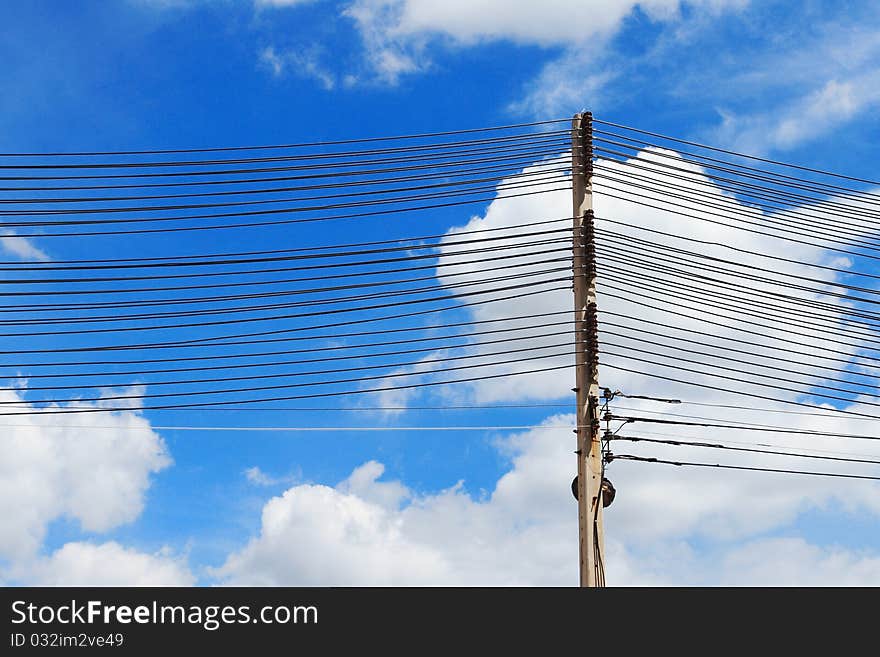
{"x": 794, "y": 80}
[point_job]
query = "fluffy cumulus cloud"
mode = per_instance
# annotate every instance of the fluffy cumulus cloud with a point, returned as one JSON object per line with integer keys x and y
{"x": 668, "y": 524}
{"x": 93, "y": 468}
{"x": 106, "y": 564}
{"x": 365, "y": 531}
{"x": 369, "y": 531}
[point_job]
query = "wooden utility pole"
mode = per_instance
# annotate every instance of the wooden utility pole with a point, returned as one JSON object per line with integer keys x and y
{"x": 589, "y": 446}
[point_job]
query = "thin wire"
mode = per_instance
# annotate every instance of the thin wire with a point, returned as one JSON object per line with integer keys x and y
{"x": 765, "y": 410}
{"x": 519, "y": 157}
{"x": 780, "y": 182}
{"x": 191, "y": 393}
{"x": 429, "y": 339}
{"x": 718, "y": 304}
{"x": 739, "y": 351}
{"x": 280, "y": 222}
{"x": 418, "y": 149}
{"x": 669, "y": 207}
{"x": 325, "y": 311}
{"x": 336, "y": 250}
{"x": 648, "y": 245}
{"x": 647, "y": 459}
{"x": 739, "y": 213}
{"x": 547, "y": 147}
{"x": 777, "y": 198}
{"x": 821, "y": 311}
{"x": 808, "y": 392}
{"x": 508, "y": 165}
{"x": 213, "y": 340}
{"x": 834, "y": 452}
{"x": 513, "y": 427}
{"x": 742, "y": 426}
{"x": 735, "y": 327}
{"x": 61, "y": 307}
{"x": 786, "y": 217}
{"x": 105, "y": 409}
{"x": 752, "y": 450}
{"x": 738, "y": 392}
{"x": 377, "y": 366}
{"x": 803, "y": 263}
{"x": 810, "y": 377}
{"x": 535, "y": 178}
{"x": 290, "y": 145}
{"x": 734, "y": 153}
{"x": 436, "y": 251}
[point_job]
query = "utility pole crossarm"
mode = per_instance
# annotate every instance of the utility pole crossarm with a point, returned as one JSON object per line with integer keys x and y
{"x": 589, "y": 446}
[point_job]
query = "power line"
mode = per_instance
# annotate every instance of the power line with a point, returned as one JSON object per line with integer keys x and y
{"x": 651, "y": 459}
{"x": 192, "y": 393}
{"x": 736, "y": 154}
{"x": 783, "y": 219}
{"x": 536, "y": 178}
{"x": 418, "y": 148}
{"x": 669, "y": 207}
{"x": 520, "y": 157}
{"x": 212, "y": 341}
{"x": 733, "y": 327}
{"x": 340, "y": 393}
{"x": 703, "y": 285}
{"x": 741, "y": 393}
{"x": 378, "y": 366}
{"x": 282, "y": 222}
{"x": 325, "y": 311}
{"x": 535, "y": 148}
{"x": 290, "y": 145}
{"x": 776, "y": 197}
{"x": 425, "y": 339}
{"x": 306, "y": 252}
{"x": 436, "y": 251}
{"x": 723, "y": 245}
{"x": 740, "y": 426}
{"x": 751, "y": 450}
{"x": 286, "y": 429}
{"x": 724, "y": 306}
{"x": 509, "y": 164}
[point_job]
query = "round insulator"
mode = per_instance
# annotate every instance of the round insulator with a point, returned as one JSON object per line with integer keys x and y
{"x": 608, "y": 492}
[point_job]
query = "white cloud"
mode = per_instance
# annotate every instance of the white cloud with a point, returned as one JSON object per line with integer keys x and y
{"x": 302, "y": 62}
{"x": 256, "y": 476}
{"x": 803, "y": 119}
{"x": 21, "y": 247}
{"x": 364, "y": 483}
{"x": 784, "y": 561}
{"x": 276, "y": 4}
{"x": 94, "y": 468}
{"x": 107, "y": 564}
{"x": 803, "y": 87}
{"x": 550, "y": 23}
{"x": 270, "y": 58}
{"x": 397, "y": 33}
{"x": 357, "y": 533}
{"x": 524, "y": 532}
{"x": 632, "y": 217}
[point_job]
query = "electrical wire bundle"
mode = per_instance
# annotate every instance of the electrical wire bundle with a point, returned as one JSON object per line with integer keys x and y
{"x": 784, "y": 322}
{"x": 251, "y": 328}
{"x": 246, "y": 327}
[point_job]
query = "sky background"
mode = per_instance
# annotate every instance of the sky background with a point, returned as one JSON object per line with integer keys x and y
{"x": 137, "y": 504}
